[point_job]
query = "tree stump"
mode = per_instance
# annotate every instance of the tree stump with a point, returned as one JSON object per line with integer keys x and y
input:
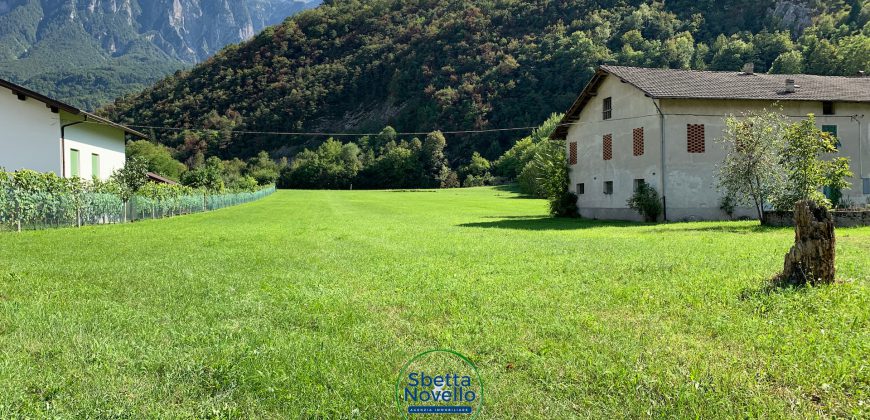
{"x": 811, "y": 259}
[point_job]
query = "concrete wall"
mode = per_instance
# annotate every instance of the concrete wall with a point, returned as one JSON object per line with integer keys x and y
{"x": 842, "y": 218}
{"x": 631, "y": 109}
{"x": 29, "y": 135}
{"x": 89, "y": 139}
{"x": 690, "y": 183}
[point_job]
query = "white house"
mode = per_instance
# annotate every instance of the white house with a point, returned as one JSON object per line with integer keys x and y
{"x": 662, "y": 127}
{"x": 45, "y": 135}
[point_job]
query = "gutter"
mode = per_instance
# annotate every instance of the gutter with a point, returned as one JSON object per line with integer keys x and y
{"x": 63, "y": 145}
{"x": 859, "y": 119}
{"x": 663, "y": 154}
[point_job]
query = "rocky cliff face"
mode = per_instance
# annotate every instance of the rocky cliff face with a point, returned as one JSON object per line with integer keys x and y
{"x": 189, "y": 30}
{"x": 90, "y": 51}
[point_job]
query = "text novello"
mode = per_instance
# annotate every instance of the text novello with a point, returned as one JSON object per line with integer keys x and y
{"x": 438, "y": 388}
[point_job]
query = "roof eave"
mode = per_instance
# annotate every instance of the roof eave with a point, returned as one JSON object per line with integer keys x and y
{"x": 589, "y": 91}
{"x": 21, "y": 90}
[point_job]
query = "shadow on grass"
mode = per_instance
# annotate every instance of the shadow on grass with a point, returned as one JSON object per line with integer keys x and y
{"x": 721, "y": 227}
{"x": 514, "y": 189}
{"x": 544, "y": 223}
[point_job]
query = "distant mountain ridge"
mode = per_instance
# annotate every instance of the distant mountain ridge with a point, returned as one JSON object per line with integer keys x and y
{"x": 88, "y": 52}
{"x": 355, "y": 66}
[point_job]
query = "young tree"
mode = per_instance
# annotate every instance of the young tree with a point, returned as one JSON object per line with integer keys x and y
{"x": 158, "y": 158}
{"x": 805, "y": 169}
{"x": 207, "y": 176}
{"x": 750, "y": 172}
{"x": 551, "y": 169}
{"x": 132, "y": 177}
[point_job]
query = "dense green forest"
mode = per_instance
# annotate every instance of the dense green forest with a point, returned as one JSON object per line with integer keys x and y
{"x": 425, "y": 65}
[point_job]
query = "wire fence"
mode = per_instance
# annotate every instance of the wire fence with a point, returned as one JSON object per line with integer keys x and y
{"x": 24, "y": 210}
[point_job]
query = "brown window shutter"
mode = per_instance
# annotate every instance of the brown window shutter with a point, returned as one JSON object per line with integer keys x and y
{"x": 695, "y": 138}
{"x": 608, "y": 146}
{"x": 637, "y": 136}
{"x": 572, "y": 153}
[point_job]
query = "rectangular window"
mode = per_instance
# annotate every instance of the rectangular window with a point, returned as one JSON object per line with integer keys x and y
{"x": 866, "y": 185}
{"x": 608, "y": 187}
{"x": 827, "y": 108}
{"x": 74, "y": 163}
{"x": 638, "y": 183}
{"x": 608, "y": 147}
{"x": 637, "y": 137}
{"x": 832, "y": 130}
{"x": 95, "y": 165}
{"x": 608, "y": 108}
{"x": 572, "y": 153}
{"x": 581, "y": 189}
{"x": 695, "y": 138}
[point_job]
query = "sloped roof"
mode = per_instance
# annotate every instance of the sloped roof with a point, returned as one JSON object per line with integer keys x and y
{"x": 693, "y": 84}
{"x": 160, "y": 179}
{"x": 665, "y": 83}
{"x": 53, "y": 103}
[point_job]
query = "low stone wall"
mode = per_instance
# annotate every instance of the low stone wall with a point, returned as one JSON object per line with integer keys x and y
{"x": 842, "y": 218}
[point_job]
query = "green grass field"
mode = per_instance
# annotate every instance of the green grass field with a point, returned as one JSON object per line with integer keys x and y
{"x": 307, "y": 304}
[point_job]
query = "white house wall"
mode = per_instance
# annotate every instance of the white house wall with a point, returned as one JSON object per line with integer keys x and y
{"x": 29, "y": 135}
{"x": 630, "y": 110}
{"x": 690, "y": 178}
{"x": 91, "y": 138}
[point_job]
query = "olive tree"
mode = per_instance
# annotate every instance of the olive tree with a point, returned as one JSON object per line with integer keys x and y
{"x": 750, "y": 172}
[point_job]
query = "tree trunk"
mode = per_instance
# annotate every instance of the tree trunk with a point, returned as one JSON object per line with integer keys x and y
{"x": 811, "y": 259}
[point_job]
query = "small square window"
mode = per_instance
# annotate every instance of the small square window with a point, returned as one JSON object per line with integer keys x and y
{"x": 695, "y": 138}
{"x": 608, "y": 108}
{"x": 572, "y": 153}
{"x": 608, "y": 187}
{"x": 827, "y": 108}
{"x": 607, "y": 142}
{"x": 581, "y": 189}
{"x": 638, "y": 183}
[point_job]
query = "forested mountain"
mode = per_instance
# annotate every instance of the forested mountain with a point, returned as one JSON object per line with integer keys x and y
{"x": 423, "y": 65}
{"x": 89, "y": 52}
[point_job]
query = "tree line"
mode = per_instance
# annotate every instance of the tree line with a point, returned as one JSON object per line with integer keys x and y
{"x": 428, "y": 65}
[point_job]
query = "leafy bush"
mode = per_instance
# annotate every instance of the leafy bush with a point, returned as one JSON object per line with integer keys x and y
{"x": 646, "y": 201}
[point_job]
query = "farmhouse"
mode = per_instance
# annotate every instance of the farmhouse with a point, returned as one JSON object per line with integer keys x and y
{"x": 45, "y": 135}
{"x": 633, "y": 125}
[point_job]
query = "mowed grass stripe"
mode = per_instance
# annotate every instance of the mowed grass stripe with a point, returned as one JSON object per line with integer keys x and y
{"x": 308, "y": 303}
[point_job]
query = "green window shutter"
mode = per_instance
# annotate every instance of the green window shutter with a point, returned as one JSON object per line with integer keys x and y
{"x": 74, "y": 162}
{"x": 95, "y": 165}
{"x": 832, "y": 129}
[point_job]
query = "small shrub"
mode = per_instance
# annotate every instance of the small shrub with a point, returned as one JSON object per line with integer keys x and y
{"x": 728, "y": 204}
{"x": 646, "y": 201}
{"x": 564, "y": 205}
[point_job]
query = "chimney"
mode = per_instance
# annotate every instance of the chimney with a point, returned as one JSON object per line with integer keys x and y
{"x": 789, "y": 86}
{"x": 749, "y": 68}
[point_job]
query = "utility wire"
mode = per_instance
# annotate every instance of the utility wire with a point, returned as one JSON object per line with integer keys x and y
{"x": 410, "y": 133}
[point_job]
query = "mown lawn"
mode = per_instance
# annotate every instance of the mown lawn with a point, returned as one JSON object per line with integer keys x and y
{"x": 307, "y": 304}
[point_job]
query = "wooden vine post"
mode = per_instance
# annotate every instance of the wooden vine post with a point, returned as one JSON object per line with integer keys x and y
{"x": 811, "y": 259}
